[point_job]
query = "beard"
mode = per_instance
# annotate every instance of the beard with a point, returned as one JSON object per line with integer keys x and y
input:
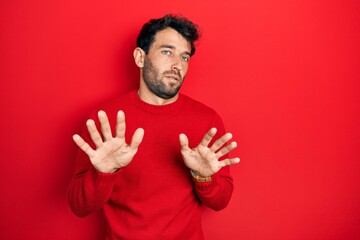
{"x": 154, "y": 80}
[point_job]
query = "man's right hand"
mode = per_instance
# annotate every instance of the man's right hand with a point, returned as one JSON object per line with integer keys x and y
{"x": 112, "y": 153}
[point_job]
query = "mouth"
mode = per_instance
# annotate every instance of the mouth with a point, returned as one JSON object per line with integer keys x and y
{"x": 174, "y": 77}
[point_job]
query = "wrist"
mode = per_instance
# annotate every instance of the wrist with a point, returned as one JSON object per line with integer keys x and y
{"x": 197, "y": 178}
{"x": 107, "y": 170}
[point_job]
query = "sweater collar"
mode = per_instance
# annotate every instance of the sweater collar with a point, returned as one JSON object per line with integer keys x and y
{"x": 151, "y": 108}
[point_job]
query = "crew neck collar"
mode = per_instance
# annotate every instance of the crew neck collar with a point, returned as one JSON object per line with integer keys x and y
{"x": 152, "y": 108}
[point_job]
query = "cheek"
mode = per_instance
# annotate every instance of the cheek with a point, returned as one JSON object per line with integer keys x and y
{"x": 185, "y": 69}
{"x": 162, "y": 66}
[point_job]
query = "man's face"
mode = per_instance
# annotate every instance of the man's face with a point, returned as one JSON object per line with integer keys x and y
{"x": 166, "y": 64}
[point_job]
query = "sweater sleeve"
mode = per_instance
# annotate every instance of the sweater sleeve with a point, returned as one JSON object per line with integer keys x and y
{"x": 89, "y": 189}
{"x": 217, "y": 193}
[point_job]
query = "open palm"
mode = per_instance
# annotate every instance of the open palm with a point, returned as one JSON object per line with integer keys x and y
{"x": 111, "y": 153}
{"x": 204, "y": 159}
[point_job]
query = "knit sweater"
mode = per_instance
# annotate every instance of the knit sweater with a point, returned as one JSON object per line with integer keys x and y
{"x": 154, "y": 197}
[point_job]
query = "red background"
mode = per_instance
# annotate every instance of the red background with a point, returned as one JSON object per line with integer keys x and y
{"x": 284, "y": 75}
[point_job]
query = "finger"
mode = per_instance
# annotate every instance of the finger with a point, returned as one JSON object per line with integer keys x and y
{"x": 137, "y": 138}
{"x": 208, "y": 137}
{"x": 220, "y": 142}
{"x": 226, "y": 149}
{"x": 184, "y": 141}
{"x": 94, "y": 133}
{"x": 120, "y": 124}
{"x": 83, "y": 145}
{"x": 229, "y": 161}
{"x": 104, "y": 125}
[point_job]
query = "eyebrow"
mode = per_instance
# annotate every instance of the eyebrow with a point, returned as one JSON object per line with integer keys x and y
{"x": 173, "y": 47}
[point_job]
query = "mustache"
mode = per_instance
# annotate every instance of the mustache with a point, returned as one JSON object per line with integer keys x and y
{"x": 173, "y": 72}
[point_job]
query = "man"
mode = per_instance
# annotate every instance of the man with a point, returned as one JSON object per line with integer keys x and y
{"x": 148, "y": 181}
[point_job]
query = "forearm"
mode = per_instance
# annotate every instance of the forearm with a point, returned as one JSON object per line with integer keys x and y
{"x": 216, "y": 193}
{"x": 89, "y": 191}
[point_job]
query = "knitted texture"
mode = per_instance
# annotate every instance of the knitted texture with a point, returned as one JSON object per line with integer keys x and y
{"x": 154, "y": 197}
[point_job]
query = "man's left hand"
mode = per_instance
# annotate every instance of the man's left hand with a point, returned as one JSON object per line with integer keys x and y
{"x": 204, "y": 159}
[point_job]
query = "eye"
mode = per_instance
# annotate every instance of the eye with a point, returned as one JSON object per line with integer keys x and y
{"x": 185, "y": 58}
{"x": 166, "y": 52}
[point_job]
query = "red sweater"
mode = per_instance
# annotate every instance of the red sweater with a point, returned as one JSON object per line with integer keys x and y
{"x": 154, "y": 197}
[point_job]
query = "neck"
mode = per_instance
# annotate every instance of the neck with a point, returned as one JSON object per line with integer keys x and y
{"x": 149, "y": 97}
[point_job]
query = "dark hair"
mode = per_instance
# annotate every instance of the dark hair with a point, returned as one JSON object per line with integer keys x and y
{"x": 182, "y": 25}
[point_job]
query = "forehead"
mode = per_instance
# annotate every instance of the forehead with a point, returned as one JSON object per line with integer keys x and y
{"x": 169, "y": 36}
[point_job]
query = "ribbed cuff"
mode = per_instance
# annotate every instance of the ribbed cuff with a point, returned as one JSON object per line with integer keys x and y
{"x": 206, "y": 186}
{"x": 103, "y": 180}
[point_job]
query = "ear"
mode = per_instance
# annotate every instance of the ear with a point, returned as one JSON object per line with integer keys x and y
{"x": 139, "y": 57}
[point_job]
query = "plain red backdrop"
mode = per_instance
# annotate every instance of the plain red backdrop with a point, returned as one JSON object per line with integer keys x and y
{"x": 284, "y": 75}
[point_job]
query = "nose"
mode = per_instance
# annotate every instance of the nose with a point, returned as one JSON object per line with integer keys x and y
{"x": 176, "y": 64}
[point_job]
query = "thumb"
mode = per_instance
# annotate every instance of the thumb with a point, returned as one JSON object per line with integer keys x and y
{"x": 184, "y": 141}
{"x": 137, "y": 138}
